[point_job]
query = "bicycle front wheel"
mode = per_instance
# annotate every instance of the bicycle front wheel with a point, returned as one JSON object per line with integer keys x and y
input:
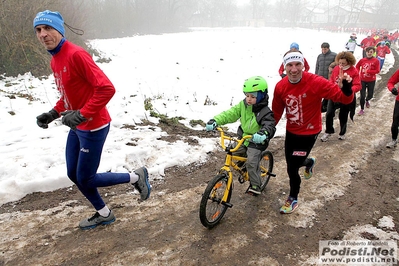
{"x": 212, "y": 208}
{"x": 266, "y": 166}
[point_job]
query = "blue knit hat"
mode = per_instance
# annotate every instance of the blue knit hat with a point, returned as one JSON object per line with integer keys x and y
{"x": 50, "y": 18}
{"x": 294, "y": 45}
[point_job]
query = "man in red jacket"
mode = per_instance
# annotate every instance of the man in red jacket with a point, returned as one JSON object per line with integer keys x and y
{"x": 300, "y": 95}
{"x": 85, "y": 91}
{"x": 395, "y": 118}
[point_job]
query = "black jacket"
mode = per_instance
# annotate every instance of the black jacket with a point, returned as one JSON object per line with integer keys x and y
{"x": 322, "y": 63}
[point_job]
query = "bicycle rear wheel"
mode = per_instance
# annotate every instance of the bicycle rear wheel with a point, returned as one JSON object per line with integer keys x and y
{"x": 212, "y": 208}
{"x": 266, "y": 165}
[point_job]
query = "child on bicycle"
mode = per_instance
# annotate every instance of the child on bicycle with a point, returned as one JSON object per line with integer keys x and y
{"x": 256, "y": 119}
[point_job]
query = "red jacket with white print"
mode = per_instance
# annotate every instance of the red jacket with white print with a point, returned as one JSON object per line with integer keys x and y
{"x": 302, "y": 102}
{"x": 368, "y": 68}
{"x": 382, "y": 51}
{"x": 352, "y": 72}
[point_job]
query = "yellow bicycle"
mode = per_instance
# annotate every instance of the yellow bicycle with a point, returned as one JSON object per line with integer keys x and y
{"x": 216, "y": 197}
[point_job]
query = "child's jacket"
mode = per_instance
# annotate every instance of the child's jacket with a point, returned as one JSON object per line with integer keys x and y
{"x": 253, "y": 118}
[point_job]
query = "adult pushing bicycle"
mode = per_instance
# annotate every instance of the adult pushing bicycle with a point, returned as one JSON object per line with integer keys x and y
{"x": 246, "y": 153}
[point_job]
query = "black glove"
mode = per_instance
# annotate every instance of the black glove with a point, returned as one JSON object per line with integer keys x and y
{"x": 72, "y": 119}
{"x": 211, "y": 125}
{"x": 346, "y": 88}
{"x": 394, "y": 91}
{"x": 46, "y": 118}
{"x": 283, "y": 75}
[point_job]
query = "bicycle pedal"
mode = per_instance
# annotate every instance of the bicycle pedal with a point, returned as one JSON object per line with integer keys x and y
{"x": 250, "y": 193}
{"x": 227, "y": 204}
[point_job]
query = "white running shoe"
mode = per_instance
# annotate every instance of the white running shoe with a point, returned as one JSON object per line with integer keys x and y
{"x": 325, "y": 137}
{"x": 341, "y": 137}
{"x": 392, "y": 144}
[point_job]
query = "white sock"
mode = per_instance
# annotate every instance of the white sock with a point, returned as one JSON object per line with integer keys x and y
{"x": 104, "y": 212}
{"x": 133, "y": 178}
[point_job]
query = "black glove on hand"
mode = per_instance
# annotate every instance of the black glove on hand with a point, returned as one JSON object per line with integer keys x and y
{"x": 394, "y": 91}
{"x": 346, "y": 88}
{"x": 72, "y": 119}
{"x": 46, "y": 118}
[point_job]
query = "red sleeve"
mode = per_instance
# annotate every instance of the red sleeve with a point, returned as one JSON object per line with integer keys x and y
{"x": 333, "y": 92}
{"x": 362, "y": 43}
{"x": 375, "y": 68}
{"x": 334, "y": 74}
{"x": 103, "y": 89}
{"x": 278, "y": 103}
{"x": 356, "y": 85}
{"x": 307, "y": 67}
{"x": 358, "y": 65}
{"x": 393, "y": 80}
{"x": 281, "y": 69}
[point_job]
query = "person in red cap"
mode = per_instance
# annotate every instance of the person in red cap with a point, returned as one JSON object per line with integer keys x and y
{"x": 351, "y": 43}
{"x": 85, "y": 91}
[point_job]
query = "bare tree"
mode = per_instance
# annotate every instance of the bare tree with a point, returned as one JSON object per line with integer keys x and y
{"x": 20, "y": 51}
{"x": 18, "y": 44}
{"x": 387, "y": 14}
{"x": 291, "y": 11}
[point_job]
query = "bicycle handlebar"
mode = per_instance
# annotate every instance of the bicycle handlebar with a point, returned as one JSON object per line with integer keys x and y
{"x": 226, "y": 137}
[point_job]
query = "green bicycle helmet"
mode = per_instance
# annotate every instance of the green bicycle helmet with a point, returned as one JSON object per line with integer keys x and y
{"x": 255, "y": 84}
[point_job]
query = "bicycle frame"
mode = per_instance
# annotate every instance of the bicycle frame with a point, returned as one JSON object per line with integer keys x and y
{"x": 229, "y": 159}
{"x": 216, "y": 197}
